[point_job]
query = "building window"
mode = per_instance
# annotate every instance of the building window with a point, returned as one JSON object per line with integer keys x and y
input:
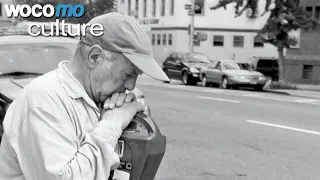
{"x": 199, "y": 7}
{"x": 0, "y": 9}
{"x": 163, "y": 7}
{"x": 153, "y": 39}
{"x": 317, "y": 13}
{"x": 172, "y": 7}
{"x": 164, "y": 39}
{"x": 145, "y": 8}
{"x": 307, "y": 71}
{"x": 238, "y": 41}
{"x": 218, "y": 40}
{"x": 137, "y": 9}
{"x": 309, "y": 9}
{"x": 258, "y": 42}
{"x": 129, "y": 7}
{"x": 159, "y": 39}
{"x": 154, "y": 5}
{"x": 170, "y": 39}
{"x": 196, "y": 43}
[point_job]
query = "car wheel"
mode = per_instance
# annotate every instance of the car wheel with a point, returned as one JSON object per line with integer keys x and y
{"x": 204, "y": 81}
{"x": 185, "y": 78}
{"x": 225, "y": 83}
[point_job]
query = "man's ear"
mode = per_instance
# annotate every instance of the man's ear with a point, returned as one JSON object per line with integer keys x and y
{"x": 95, "y": 55}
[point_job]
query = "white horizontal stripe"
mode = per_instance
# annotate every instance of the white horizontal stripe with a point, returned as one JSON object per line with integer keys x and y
{"x": 218, "y": 99}
{"x": 285, "y": 127}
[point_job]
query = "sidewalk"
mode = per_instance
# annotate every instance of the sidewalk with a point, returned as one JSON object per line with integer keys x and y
{"x": 297, "y": 93}
{"x": 308, "y": 91}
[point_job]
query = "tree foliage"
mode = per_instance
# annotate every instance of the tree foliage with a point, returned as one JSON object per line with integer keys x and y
{"x": 92, "y": 9}
{"x": 286, "y": 16}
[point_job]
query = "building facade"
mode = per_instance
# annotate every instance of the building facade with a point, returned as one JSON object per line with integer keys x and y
{"x": 302, "y": 64}
{"x": 4, "y": 20}
{"x": 167, "y": 24}
{"x": 3, "y": 15}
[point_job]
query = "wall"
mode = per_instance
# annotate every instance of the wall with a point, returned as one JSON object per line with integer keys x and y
{"x": 242, "y": 54}
{"x": 214, "y": 19}
{"x": 307, "y": 54}
{"x": 294, "y": 71}
{"x": 218, "y": 22}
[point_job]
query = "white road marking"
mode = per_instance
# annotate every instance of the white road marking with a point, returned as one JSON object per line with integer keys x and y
{"x": 307, "y": 100}
{"x": 218, "y": 99}
{"x": 285, "y": 127}
{"x": 275, "y": 98}
{"x": 252, "y": 95}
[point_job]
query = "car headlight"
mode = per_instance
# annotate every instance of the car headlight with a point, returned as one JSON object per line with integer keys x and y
{"x": 262, "y": 78}
{"x": 240, "y": 77}
{"x": 146, "y": 106}
{"x": 193, "y": 70}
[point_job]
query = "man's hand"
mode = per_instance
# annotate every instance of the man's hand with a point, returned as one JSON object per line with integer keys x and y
{"x": 118, "y": 99}
{"x": 122, "y": 116}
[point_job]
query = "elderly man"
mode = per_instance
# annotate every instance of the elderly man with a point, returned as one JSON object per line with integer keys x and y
{"x": 55, "y": 129}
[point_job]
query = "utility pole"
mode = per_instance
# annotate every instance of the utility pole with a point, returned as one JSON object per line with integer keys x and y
{"x": 192, "y": 24}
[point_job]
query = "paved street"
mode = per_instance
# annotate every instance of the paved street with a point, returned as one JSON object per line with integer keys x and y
{"x": 235, "y": 134}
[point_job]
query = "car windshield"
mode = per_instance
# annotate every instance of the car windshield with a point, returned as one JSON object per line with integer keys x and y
{"x": 33, "y": 58}
{"x": 231, "y": 65}
{"x": 198, "y": 58}
{"x": 246, "y": 66}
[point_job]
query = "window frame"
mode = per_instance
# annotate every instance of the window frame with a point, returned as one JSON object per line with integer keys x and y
{"x": 235, "y": 41}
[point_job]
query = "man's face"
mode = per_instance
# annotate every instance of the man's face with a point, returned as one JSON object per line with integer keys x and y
{"x": 112, "y": 75}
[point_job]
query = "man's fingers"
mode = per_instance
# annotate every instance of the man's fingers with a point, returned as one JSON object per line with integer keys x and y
{"x": 122, "y": 97}
{"x": 138, "y": 106}
{"x": 130, "y": 97}
{"x": 118, "y": 99}
{"x": 113, "y": 100}
{"x": 106, "y": 103}
{"x": 134, "y": 106}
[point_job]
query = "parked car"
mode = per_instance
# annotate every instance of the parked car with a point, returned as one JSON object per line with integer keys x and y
{"x": 267, "y": 66}
{"x": 185, "y": 66}
{"x": 23, "y": 58}
{"x": 227, "y": 74}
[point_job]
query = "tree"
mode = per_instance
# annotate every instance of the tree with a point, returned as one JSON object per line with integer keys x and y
{"x": 286, "y": 16}
{"x": 92, "y": 9}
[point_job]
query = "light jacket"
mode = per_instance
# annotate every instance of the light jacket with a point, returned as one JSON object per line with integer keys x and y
{"x": 52, "y": 132}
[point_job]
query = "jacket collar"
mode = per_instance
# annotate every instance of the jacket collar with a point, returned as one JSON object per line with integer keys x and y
{"x": 71, "y": 85}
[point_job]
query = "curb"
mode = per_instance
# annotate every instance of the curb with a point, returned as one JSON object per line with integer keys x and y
{"x": 278, "y": 92}
{"x": 290, "y": 94}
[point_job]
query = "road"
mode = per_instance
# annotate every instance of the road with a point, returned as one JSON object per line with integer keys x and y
{"x": 235, "y": 134}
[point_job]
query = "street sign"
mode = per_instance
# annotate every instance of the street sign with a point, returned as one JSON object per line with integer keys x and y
{"x": 187, "y": 6}
{"x": 190, "y": 13}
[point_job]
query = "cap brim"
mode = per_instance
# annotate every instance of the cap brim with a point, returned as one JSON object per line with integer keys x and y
{"x": 147, "y": 65}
